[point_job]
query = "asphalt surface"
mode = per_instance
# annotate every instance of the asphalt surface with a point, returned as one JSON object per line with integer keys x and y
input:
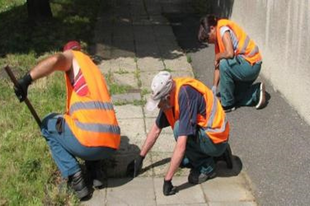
{"x": 272, "y": 143}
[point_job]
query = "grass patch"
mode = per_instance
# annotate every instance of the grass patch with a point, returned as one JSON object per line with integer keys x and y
{"x": 121, "y": 71}
{"x": 135, "y": 102}
{"x": 114, "y": 87}
{"x": 28, "y": 173}
{"x": 188, "y": 58}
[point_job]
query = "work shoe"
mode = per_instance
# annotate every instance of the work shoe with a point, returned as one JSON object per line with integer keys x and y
{"x": 228, "y": 109}
{"x": 196, "y": 177}
{"x": 262, "y": 96}
{"x": 226, "y": 157}
{"x": 77, "y": 183}
{"x": 96, "y": 174}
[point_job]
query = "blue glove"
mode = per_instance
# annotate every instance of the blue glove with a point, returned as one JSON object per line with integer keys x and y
{"x": 21, "y": 88}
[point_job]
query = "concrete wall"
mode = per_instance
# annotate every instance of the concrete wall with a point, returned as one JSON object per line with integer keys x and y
{"x": 281, "y": 28}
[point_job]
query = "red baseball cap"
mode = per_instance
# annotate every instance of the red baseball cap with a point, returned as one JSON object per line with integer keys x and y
{"x": 74, "y": 45}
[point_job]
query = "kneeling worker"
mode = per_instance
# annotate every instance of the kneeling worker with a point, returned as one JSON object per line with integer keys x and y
{"x": 199, "y": 124}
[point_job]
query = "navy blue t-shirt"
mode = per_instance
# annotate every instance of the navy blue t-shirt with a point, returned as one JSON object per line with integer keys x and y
{"x": 191, "y": 103}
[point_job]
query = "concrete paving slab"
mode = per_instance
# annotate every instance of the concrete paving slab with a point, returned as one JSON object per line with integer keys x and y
{"x": 148, "y": 76}
{"x": 139, "y": 191}
{"x": 195, "y": 204}
{"x": 161, "y": 161}
{"x": 164, "y": 143}
{"x": 150, "y": 64}
{"x": 98, "y": 198}
{"x": 103, "y": 50}
{"x": 103, "y": 38}
{"x": 170, "y": 51}
{"x": 167, "y": 43}
{"x": 137, "y": 20}
{"x": 142, "y": 31}
{"x": 178, "y": 64}
{"x": 105, "y": 66}
{"x": 150, "y": 114}
{"x": 128, "y": 112}
{"x": 182, "y": 74}
{"x": 164, "y": 31}
{"x": 147, "y": 51}
{"x": 228, "y": 189}
{"x": 122, "y": 31}
{"x": 123, "y": 64}
{"x": 192, "y": 194}
{"x": 149, "y": 122}
{"x": 232, "y": 204}
{"x": 128, "y": 98}
{"x": 123, "y": 52}
{"x": 126, "y": 44}
{"x": 128, "y": 79}
{"x": 129, "y": 129}
{"x": 157, "y": 19}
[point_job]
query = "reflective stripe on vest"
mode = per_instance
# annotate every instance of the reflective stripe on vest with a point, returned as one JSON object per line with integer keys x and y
{"x": 90, "y": 105}
{"x": 209, "y": 128}
{"x": 214, "y": 123}
{"x": 91, "y": 117}
{"x": 104, "y": 128}
{"x": 246, "y": 46}
{"x": 94, "y": 105}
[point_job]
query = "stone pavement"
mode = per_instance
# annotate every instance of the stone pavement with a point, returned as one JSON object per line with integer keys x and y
{"x": 136, "y": 42}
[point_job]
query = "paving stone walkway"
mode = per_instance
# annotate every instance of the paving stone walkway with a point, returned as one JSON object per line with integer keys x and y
{"x": 136, "y": 41}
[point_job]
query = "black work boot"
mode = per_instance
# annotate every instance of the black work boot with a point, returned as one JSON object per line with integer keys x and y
{"x": 77, "y": 183}
{"x": 196, "y": 177}
{"x": 96, "y": 174}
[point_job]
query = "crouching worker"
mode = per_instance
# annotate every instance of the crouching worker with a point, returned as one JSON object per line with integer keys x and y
{"x": 199, "y": 124}
{"x": 237, "y": 63}
{"x": 88, "y": 129}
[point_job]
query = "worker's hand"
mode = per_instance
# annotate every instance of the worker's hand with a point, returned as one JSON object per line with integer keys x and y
{"x": 216, "y": 63}
{"x": 213, "y": 89}
{"x": 135, "y": 166}
{"x": 168, "y": 188}
{"x": 22, "y": 87}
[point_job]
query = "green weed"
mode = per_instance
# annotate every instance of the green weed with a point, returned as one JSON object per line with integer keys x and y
{"x": 189, "y": 58}
{"x": 168, "y": 69}
{"x": 114, "y": 87}
{"x": 121, "y": 71}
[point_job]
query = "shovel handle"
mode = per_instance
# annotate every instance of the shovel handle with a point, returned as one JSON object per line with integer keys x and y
{"x": 30, "y": 107}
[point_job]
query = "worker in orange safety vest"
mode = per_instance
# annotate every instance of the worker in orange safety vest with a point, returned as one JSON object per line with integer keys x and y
{"x": 199, "y": 123}
{"x": 88, "y": 129}
{"x": 237, "y": 63}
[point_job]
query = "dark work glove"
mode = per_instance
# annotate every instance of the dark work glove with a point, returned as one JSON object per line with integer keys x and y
{"x": 168, "y": 188}
{"x": 135, "y": 166}
{"x": 22, "y": 87}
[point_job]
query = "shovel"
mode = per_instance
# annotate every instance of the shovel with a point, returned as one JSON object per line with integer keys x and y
{"x": 30, "y": 107}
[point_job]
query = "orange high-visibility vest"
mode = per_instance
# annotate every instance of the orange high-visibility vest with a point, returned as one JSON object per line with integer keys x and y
{"x": 214, "y": 123}
{"x": 246, "y": 46}
{"x": 91, "y": 118}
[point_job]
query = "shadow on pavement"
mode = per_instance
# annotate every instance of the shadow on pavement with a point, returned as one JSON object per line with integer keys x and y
{"x": 221, "y": 171}
{"x": 156, "y": 164}
{"x": 116, "y": 166}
